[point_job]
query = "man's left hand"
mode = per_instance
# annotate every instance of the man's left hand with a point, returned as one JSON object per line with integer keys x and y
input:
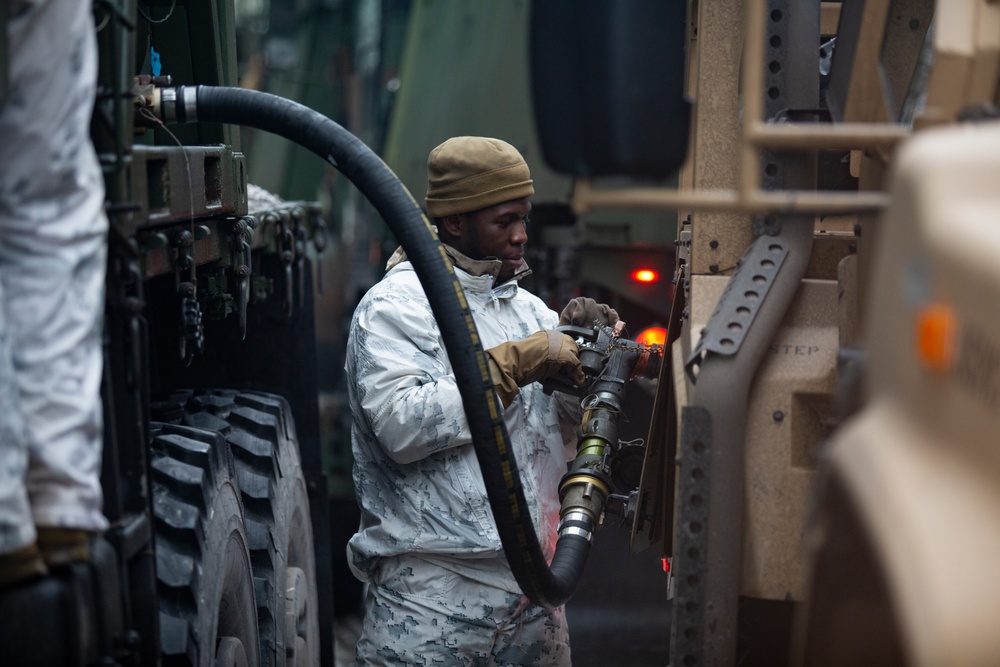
{"x": 582, "y": 311}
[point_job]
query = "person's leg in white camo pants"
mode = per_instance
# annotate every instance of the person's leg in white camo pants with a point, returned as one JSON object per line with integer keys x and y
{"x": 52, "y": 266}
{"x": 419, "y": 614}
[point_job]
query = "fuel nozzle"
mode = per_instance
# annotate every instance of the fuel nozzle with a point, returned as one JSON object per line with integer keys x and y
{"x": 609, "y": 363}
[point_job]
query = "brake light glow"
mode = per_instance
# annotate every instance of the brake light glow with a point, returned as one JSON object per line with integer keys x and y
{"x": 645, "y": 276}
{"x": 652, "y": 336}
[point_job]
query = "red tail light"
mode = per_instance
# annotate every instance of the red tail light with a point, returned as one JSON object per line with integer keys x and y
{"x": 652, "y": 336}
{"x": 645, "y": 276}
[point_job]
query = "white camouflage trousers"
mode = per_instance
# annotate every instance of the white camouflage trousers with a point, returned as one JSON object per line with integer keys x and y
{"x": 52, "y": 266}
{"x": 421, "y": 614}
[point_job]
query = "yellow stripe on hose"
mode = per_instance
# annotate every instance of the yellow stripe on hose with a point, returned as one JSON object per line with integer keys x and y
{"x": 505, "y": 467}
{"x": 498, "y": 436}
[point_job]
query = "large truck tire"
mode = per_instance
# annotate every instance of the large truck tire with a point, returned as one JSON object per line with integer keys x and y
{"x": 260, "y": 432}
{"x": 208, "y": 616}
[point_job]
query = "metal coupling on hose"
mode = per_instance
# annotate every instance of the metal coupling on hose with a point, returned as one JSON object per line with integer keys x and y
{"x": 588, "y": 483}
{"x": 176, "y": 105}
{"x": 583, "y": 492}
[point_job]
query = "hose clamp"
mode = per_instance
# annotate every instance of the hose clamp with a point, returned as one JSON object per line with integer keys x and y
{"x": 574, "y": 530}
{"x": 168, "y": 105}
{"x": 575, "y": 516}
{"x": 179, "y": 105}
{"x": 189, "y": 96}
{"x": 577, "y": 523}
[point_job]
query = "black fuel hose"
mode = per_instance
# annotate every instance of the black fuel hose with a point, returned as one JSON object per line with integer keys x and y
{"x": 547, "y": 585}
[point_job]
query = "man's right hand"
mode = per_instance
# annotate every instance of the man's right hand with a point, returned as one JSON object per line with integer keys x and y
{"x": 584, "y": 311}
{"x": 542, "y": 354}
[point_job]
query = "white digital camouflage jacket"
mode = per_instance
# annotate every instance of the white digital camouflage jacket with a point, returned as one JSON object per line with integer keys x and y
{"x": 416, "y": 474}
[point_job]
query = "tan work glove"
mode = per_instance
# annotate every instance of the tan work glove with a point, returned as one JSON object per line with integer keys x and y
{"x": 540, "y": 355}
{"x": 582, "y": 311}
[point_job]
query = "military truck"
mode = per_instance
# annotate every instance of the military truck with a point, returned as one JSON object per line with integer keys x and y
{"x": 819, "y": 464}
{"x": 213, "y": 482}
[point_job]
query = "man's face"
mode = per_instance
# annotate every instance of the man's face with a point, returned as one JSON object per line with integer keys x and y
{"x": 498, "y": 232}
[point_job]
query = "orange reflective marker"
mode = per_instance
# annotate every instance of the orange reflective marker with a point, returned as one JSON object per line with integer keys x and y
{"x": 936, "y": 334}
{"x": 652, "y": 336}
{"x": 645, "y": 276}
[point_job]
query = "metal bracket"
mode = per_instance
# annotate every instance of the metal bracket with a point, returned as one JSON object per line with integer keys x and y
{"x": 622, "y": 506}
{"x": 240, "y": 263}
{"x": 740, "y": 302}
{"x": 691, "y": 537}
{"x": 191, "y": 339}
{"x": 286, "y": 251}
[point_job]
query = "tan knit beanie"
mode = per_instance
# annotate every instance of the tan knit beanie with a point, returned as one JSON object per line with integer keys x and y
{"x": 469, "y": 173}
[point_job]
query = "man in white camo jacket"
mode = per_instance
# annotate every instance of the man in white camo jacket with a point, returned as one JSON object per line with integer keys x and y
{"x": 440, "y": 589}
{"x": 53, "y": 236}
